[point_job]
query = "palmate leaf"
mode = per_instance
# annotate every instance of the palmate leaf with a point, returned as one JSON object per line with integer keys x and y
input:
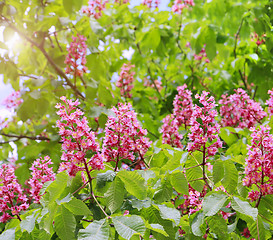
{"x": 134, "y": 183}
{"x": 212, "y": 203}
{"x": 128, "y": 226}
{"x": 65, "y": 224}
{"x": 114, "y": 195}
{"x": 97, "y": 230}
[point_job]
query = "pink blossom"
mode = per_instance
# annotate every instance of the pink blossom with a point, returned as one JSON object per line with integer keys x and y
{"x": 41, "y": 174}
{"x": 258, "y": 170}
{"x": 257, "y": 39}
{"x": 179, "y": 5}
{"x": 95, "y": 8}
{"x": 122, "y": 1}
{"x": 193, "y": 201}
{"x": 204, "y": 129}
{"x": 78, "y": 139}
{"x": 269, "y": 102}
{"x": 151, "y": 3}
{"x": 202, "y": 55}
{"x": 125, "y": 80}
{"x": 238, "y": 110}
{"x": 124, "y": 137}
{"x": 12, "y": 198}
{"x": 148, "y": 83}
{"x": 13, "y": 100}
{"x": 75, "y": 60}
{"x": 183, "y": 106}
{"x": 169, "y": 130}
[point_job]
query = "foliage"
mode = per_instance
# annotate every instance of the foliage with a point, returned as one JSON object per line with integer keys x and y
{"x": 163, "y": 123}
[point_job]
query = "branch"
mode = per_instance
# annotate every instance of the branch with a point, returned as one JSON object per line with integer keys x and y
{"x": 18, "y": 137}
{"x": 234, "y": 50}
{"x": 49, "y": 59}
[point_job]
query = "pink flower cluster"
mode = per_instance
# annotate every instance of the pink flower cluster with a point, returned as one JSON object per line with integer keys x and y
{"x": 169, "y": 130}
{"x": 124, "y": 137}
{"x": 13, "y": 100}
{"x": 75, "y": 60}
{"x": 148, "y": 83}
{"x": 183, "y": 106}
{"x": 122, "y": 1}
{"x": 41, "y": 174}
{"x": 179, "y": 5}
{"x": 95, "y": 8}
{"x": 257, "y": 39}
{"x": 151, "y": 3}
{"x": 182, "y": 112}
{"x": 204, "y": 129}
{"x": 259, "y": 168}
{"x": 125, "y": 80}
{"x": 12, "y": 198}
{"x": 269, "y": 102}
{"x": 239, "y": 110}
{"x": 202, "y": 55}
{"x": 78, "y": 139}
{"x": 193, "y": 201}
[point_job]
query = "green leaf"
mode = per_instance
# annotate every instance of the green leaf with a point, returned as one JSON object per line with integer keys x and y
{"x": 218, "y": 225}
{"x": 194, "y": 172}
{"x": 114, "y": 195}
{"x": 8, "y": 234}
{"x": 134, "y": 183}
{"x": 151, "y": 39}
{"x": 164, "y": 192}
{"x": 227, "y": 136}
{"x": 213, "y": 203}
{"x": 196, "y": 224}
{"x": 57, "y": 187}
{"x": 77, "y": 207}
{"x": 179, "y": 182}
{"x": 65, "y": 224}
{"x": 230, "y": 178}
{"x": 157, "y": 228}
{"x": 169, "y": 213}
{"x": 210, "y": 41}
{"x": 218, "y": 171}
{"x": 102, "y": 178}
{"x": 244, "y": 207}
{"x": 97, "y": 230}
{"x": 28, "y": 223}
{"x": 258, "y": 231}
{"x": 128, "y": 226}
{"x": 68, "y": 5}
